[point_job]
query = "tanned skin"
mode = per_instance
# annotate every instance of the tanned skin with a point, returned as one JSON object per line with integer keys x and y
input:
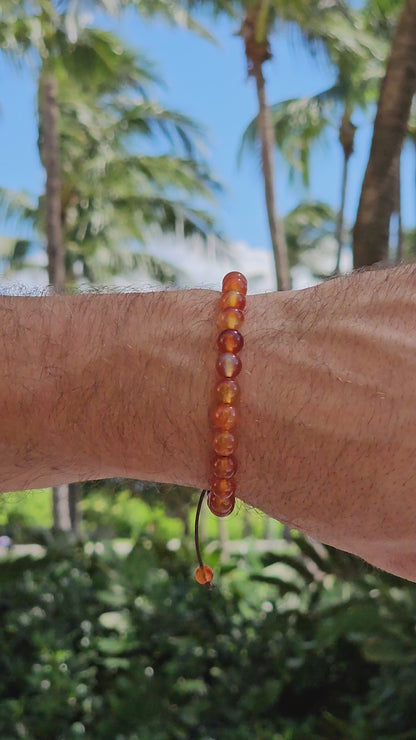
{"x": 96, "y": 386}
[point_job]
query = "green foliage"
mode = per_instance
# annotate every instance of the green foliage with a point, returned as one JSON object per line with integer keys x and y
{"x": 123, "y": 510}
{"x": 103, "y": 645}
{"x": 25, "y": 509}
{"x": 127, "y": 163}
{"x": 122, "y": 515}
{"x": 381, "y": 16}
{"x": 308, "y": 227}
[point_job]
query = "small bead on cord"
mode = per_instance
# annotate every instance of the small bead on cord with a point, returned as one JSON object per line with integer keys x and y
{"x": 224, "y": 416}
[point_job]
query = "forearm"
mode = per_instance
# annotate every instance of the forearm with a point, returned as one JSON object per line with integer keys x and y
{"x": 95, "y": 386}
{"x": 98, "y": 386}
{"x": 329, "y": 412}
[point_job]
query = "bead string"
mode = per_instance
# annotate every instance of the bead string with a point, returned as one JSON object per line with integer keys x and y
{"x": 224, "y": 416}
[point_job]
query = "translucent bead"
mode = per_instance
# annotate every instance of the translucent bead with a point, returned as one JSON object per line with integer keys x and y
{"x": 224, "y": 443}
{"x": 223, "y": 487}
{"x": 230, "y": 340}
{"x": 204, "y": 574}
{"x": 235, "y": 281}
{"x": 227, "y": 391}
{"x": 228, "y": 365}
{"x": 224, "y": 416}
{"x": 220, "y": 506}
{"x": 233, "y": 299}
{"x": 230, "y": 318}
{"x": 224, "y": 467}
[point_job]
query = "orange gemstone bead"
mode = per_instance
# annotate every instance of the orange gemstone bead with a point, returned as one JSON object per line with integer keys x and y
{"x": 235, "y": 281}
{"x": 204, "y": 574}
{"x": 224, "y": 416}
{"x": 228, "y": 365}
{"x": 224, "y": 443}
{"x": 233, "y": 299}
{"x": 230, "y": 318}
{"x": 223, "y": 487}
{"x": 227, "y": 391}
{"x": 224, "y": 413}
{"x": 221, "y": 506}
{"x": 224, "y": 467}
{"x": 230, "y": 340}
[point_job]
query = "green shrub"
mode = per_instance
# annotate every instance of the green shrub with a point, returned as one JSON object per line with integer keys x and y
{"x": 104, "y": 646}
{"x": 25, "y": 509}
{"x": 125, "y": 509}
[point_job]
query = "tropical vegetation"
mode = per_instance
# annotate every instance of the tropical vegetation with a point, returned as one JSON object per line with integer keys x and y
{"x": 116, "y": 640}
{"x": 104, "y": 633}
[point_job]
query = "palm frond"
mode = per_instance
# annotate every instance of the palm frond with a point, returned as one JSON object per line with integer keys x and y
{"x": 175, "y": 13}
{"x": 297, "y": 125}
{"x": 127, "y": 162}
{"x": 17, "y": 207}
{"x": 307, "y": 227}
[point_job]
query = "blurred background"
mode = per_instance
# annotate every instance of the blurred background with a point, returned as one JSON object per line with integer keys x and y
{"x": 162, "y": 143}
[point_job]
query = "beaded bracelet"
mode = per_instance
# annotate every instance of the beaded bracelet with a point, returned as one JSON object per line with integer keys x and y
{"x": 224, "y": 416}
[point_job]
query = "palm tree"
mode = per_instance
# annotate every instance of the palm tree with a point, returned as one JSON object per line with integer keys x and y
{"x": 309, "y": 227}
{"x": 379, "y": 192}
{"x": 299, "y": 122}
{"x": 319, "y": 21}
{"x": 111, "y": 194}
{"x": 53, "y": 32}
{"x": 254, "y": 31}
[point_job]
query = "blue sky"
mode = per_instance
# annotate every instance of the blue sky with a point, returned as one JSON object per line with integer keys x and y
{"x": 210, "y": 83}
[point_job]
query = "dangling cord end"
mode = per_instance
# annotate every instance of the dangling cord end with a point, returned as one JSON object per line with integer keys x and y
{"x": 203, "y": 573}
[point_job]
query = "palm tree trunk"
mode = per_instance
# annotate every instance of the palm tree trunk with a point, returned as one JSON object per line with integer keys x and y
{"x": 49, "y": 117}
{"x": 74, "y": 497}
{"x": 371, "y": 230}
{"x": 277, "y": 233}
{"x": 346, "y": 138}
{"x": 65, "y": 517}
{"x": 340, "y": 220}
{"x": 398, "y": 210}
{"x": 254, "y": 33}
{"x": 61, "y": 509}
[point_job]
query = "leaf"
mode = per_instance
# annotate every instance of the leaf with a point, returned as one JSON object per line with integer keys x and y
{"x": 113, "y": 645}
{"x": 292, "y": 561}
{"x": 283, "y": 586}
{"x": 116, "y": 620}
{"x": 310, "y": 550}
{"x": 379, "y": 650}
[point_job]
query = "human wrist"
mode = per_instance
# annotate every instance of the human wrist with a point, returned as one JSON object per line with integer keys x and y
{"x": 158, "y": 385}
{"x": 329, "y": 416}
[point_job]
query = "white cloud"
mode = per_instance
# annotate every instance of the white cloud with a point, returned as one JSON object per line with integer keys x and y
{"x": 198, "y": 264}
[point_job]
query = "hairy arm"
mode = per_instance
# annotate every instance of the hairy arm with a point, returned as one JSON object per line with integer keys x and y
{"x": 94, "y": 386}
{"x": 332, "y": 395}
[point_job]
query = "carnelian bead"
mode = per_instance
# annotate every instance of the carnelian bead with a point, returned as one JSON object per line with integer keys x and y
{"x": 224, "y": 443}
{"x": 227, "y": 391}
{"x": 220, "y": 506}
{"x": 224, "y": 467}
{"x": 233, "y": 299}
{"x": 224, "y": 416}
{"x": 230, "y": 340}
{"x": 204, "y": 574}
{"x": 223, "y": 487}
{"x": 235, "y": 281}
{"x": 230, "y": 318}
{"x": 228, "y": 365}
